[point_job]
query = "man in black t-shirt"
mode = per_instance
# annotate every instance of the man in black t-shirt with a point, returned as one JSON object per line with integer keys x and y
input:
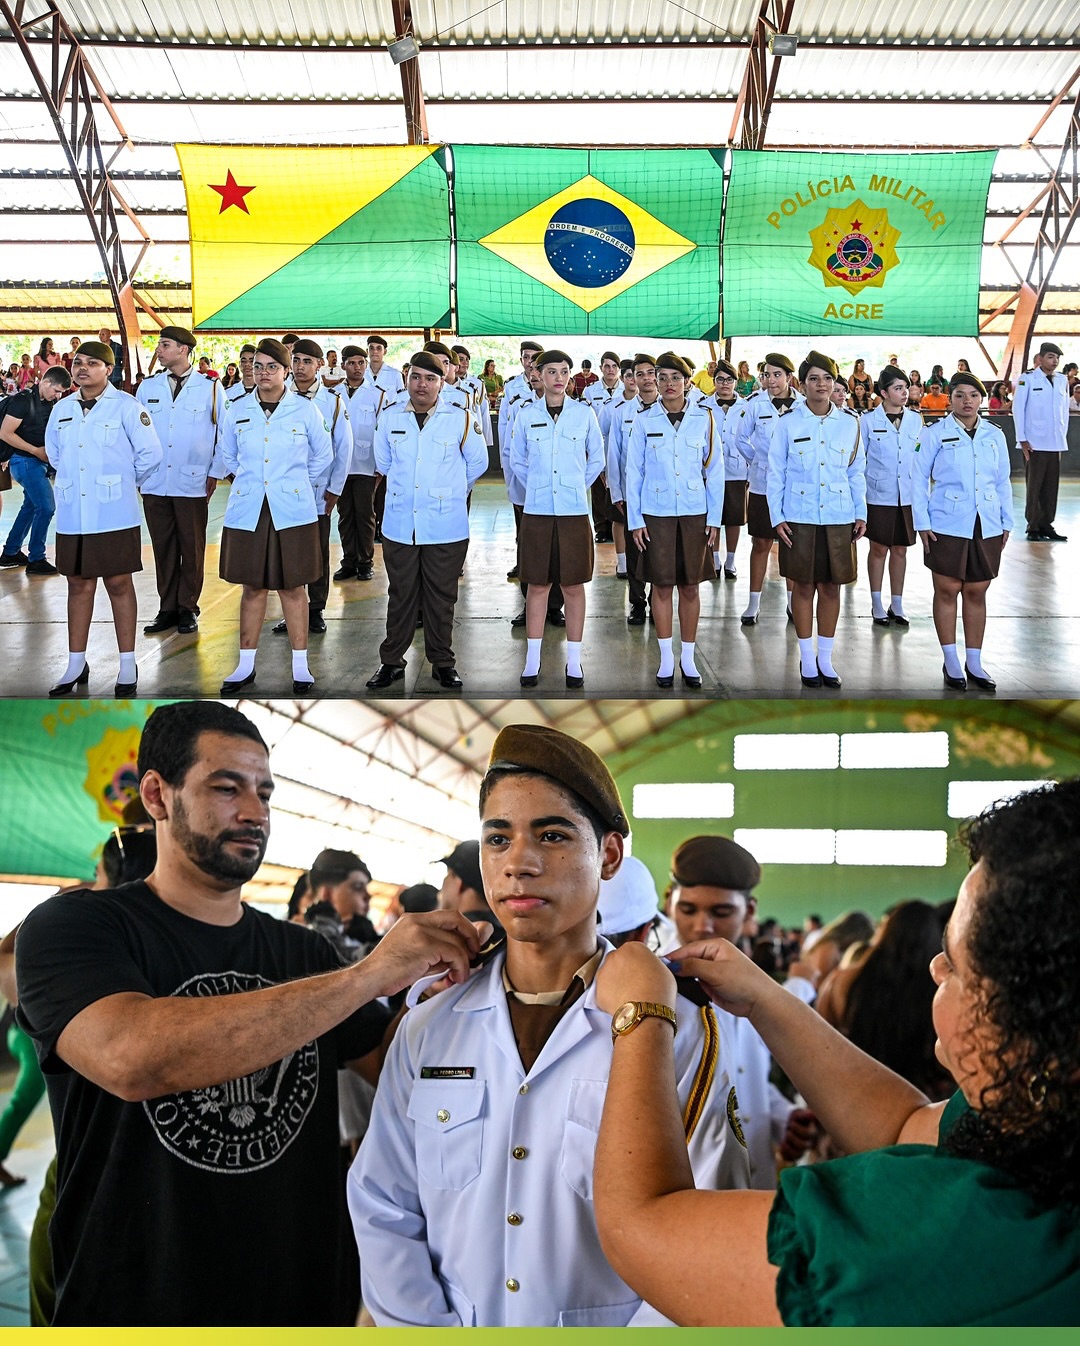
{"x": 22, "y": 439}
{"x": 190, "y": 1045}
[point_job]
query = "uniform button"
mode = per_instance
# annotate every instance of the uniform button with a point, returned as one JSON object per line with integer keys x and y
{"x": 519, "y": 1151}
{"x": 512, "y": 1286}
{"x": 266, "y": 460}
{"x": 524, "y": 1089}
{"x": 513, "y": 1218}
{"x": 443, "y": 1115}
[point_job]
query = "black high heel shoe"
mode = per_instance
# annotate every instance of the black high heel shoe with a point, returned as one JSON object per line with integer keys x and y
{"x": 66, "y": 688}
{"x": 124, "y": 689}
{"x": 829, "y": 680}
{"x": 980, "y": 680}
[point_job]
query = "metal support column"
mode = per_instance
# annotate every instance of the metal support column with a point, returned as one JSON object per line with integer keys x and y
{"x": 415, "y": 112}
{"x": 751, "y": 117}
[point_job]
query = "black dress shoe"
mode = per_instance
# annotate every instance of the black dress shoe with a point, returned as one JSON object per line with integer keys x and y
{"x": 665, "y": 679}
{"x": 301, "y": 686}
{"x": 575, "y": 679}
{"x": 880, "y": 621}
{"x": 512, "y": 574}
{"x": 790, "y": 616}
{"x": 385, "y": 674}
{"x": 378, "y": 534}
{"x": 188, "y": 622}
{"x": 897, "y": 619}
{"x": 281, "y": 628}
{"x": 365, "y": 572}
{"x": 447, "y": 677}
{"x": 315, "y": 621}
{"x": 689, "y": 679}
{"x": 748, "y": 621}
{"x": 518, "y": 622}
{"x": 237, "y": 684}
{"x": 1050, "y": 536}
{"x": 1037, "y": 535}
{"x": 829, "y": 680}
{"x": 345, "y": 573}
{"x": 637, "y": 615}
{"x": 530, "y": 679}
{"x": 730, "y": 573}
{"x": 815, "y": 681}
{"x": 66, "y": 688}
{"x": 556, "y": 618}
{"x": 164, "y": 621}
{"x": 954, "y": 684}
{"x": 125, "y": 689}
{"x": 980, "y": 680}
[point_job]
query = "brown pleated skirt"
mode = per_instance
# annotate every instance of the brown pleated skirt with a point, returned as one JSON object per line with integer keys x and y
{"x": 735, "y": 493}
{"x": 678, "y": 551}
{"x": 269, "y": 558}
{"x": 758, "y": 519}
{"x": 968, "y": 559}
{"x": 92, "y": 556}
{"x": 820, "y": 553}
{"x": 890, "y": 525}
{"x": 555, "y": 549}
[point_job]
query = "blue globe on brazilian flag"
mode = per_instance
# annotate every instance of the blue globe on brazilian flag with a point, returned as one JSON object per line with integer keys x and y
{"x": 600, "y": 242}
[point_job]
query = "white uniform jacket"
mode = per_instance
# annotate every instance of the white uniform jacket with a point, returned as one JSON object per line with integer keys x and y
{"x": 621, "y": 422}
{"x": 557, "y": 460}
{"x": 890, "y": 451}
{"x": 478, "y": 399}
{"x": 1040, "y": 411}
{"x": 674, "y": 471}
{"x": 600, "y": 398}
{"x": 514, "y": 390}
{"x": 363, "y": 404}
{"x": 102, "y": 459}
{"x": 758, "y": 419}
{"x": 472, "y": 1194}
{"x": 956, "y": 478}
{"x": 389, "y": 380}
{"x": 280, "y": 459}
{"x": 515, "y": 489}
{"x": 236, "y": 391}
{"x": 736, "y": 468}
{"x": 817, "y": 468}
{"x": 187, "y": 430}
{"x": 429, "y": 472}
{"x": 335, "y": 413}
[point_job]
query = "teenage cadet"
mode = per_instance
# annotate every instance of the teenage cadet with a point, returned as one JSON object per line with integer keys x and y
{"x": 514, "y": 390}
{"x": 431, "y": 453}
{"x": 22, "y": 439}
{"x": 247, "y": 375}
{"x": 725, "y": 405}
{"x": 1040, "y": 412}
{"x": 556, "y": 453}
{"x": 277, "y": 447}
{"x": 891, "y": 437}
{"x": 674, "y": 503}
{"x": 964, "y": 517}
{"x": 816, "y": 489}
{"x": 382, "y": 375}
{"x": 640, "y": 383}
{"x": 356, "y": 508}
{"x": 186, "y": 408}
{"x": 103, "y": 447}
{"x": 475, "y": 389}
{"x": 452, "y": 395}
{"x": 757, "y": 420}
{"x": 307, "y": 360}
{"x": 606, "y": 519}
{"x": 472, "y": 1194}
{"x": 515, "y": 491}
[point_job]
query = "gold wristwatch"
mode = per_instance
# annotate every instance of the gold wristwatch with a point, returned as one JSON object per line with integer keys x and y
{"x": 627, "y": 1017}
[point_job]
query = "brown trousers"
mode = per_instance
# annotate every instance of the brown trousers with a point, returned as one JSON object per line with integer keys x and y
{"x": 318, "y": 590}
{"x": 177, "y": 527}
{"x": 1043, "y": 471}
{"x": 356, "y": 521}
{"x": 425, "y": 578}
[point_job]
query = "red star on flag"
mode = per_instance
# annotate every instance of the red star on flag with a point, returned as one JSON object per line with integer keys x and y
{"x": 855, "y": 224}
{"x": 232, "y": 194}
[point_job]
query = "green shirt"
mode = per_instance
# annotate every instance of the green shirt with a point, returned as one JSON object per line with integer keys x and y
{"x": 912, "y": 1235}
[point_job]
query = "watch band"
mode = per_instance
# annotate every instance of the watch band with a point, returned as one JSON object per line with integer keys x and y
{"x": 643, "y": 1009}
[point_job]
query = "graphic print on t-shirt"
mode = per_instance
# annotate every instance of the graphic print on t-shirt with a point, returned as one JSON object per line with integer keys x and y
{"x": 241, "y": 1125}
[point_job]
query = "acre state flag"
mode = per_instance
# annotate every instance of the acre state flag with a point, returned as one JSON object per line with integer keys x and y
{"x": 599, "y": 242}
{"x": 325, "y": 238}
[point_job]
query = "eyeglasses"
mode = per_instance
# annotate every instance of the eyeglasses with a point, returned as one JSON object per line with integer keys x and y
{"x": 261, "y": 368}
{"x": 723, "y": 380}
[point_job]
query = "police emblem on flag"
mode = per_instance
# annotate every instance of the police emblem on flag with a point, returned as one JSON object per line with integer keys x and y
{"x": 854, "y": 247}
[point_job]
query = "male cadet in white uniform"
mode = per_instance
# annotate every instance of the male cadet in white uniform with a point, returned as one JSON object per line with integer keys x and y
{"x": 356, "y": 507}
{"x": 1040, "y": 413}
{"x": 247, "y": 375}
{"x": 186, "y": 408}
{"x": 382, "y": 375}
{"x": 476, "y": 391}
{"x": 623, "y": 415}
{"x": 725, "y": 404}
{"x": 757, "y": 421}
{"x": 472, "y": 1194}
{"x": 307, "y": 360}
{"x": 430, "y": 454}
{"x": 599, "y": 395}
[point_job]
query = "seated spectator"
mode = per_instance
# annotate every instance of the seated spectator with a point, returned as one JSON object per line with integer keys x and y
{"x": 206, "y": 368}
{"x": 1000, "y": 400}
{"x": 861, "y": 387}
{"x": 745, "y": 383}
{"x": 915, "y": 390}
{"x": 934, "y": 403}
{"x": 1074, "y": 399}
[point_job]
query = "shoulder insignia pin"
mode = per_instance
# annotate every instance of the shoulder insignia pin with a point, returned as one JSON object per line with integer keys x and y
{"x": 733, "y": 1117}
{"x": 144, "y": 416}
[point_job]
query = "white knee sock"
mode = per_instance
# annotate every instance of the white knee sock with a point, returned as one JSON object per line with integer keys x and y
{"x": 532, "y": 658}
{"x": 754, "y": 606}
{"x": 729, "y": 560}
{"x": 896, "y": 602}
{"x": 878, "y": 606}
{"x": 573, "y": 658}
{"x": 620, "y": 563}
{"x": 75, "y": 665}
{"x": 686, "y": 659}
{"x": 300, "y": 670}
{"x": 244, "y": 668}
{"x": 128, "y": 671}
{"x": 667, "y": 659}
{"x": 973, "y": 659}
{"x": 824, "y": 655}
{"x": 952, "y": 661}
{"x": 806, "y": 657}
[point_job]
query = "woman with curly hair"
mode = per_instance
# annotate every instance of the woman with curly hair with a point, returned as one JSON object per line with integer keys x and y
{"x": 941, "y": 1214}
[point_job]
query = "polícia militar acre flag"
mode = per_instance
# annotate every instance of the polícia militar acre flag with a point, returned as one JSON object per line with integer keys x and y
{"x": 603, "y": 242}
{"x": 873, "y": 244}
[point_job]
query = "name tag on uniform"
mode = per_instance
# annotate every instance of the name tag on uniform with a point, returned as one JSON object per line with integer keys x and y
{"x": 765, "y": 416}
{"x": 879, "y": 432}
{"x": 654, "y": 434}
{"x": 66, "y": 420}
{"x": 399, "y": 432}
{"x": 447, "y": 1072}
{"x": 153, "y": 401}
{"x": 537, "y": 425}
{"x": 244, "y": 420}
{"x": 953, "y": 439}
{"x": 803, "y": 439}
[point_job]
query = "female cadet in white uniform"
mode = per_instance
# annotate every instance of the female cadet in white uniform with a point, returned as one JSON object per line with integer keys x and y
{"x": 962, "y": 506}
{"x": 277, "y": 447}
{"x": 891, "y": 438}
{"x": 674, "y": 503}
{"x": 472, "y": 1194}
{"x": 817, "y": 504}
{"x": 103, "y": 447}
{"x": 726, "y": 405}
{"x": 356, "y": 508}
{"x": 556, "y": 453}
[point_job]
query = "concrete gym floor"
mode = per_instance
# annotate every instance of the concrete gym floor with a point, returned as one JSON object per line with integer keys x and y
{"x": 1032, "y": 644}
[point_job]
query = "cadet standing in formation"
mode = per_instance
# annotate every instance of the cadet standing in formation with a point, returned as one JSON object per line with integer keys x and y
{"x": 891, "y": 436}
{"x": 725, "y": 404}
{"x": 247, "y": 375}
{"x": 1040, "y": 412}
{"x": 640, "y": 383}
{"x": 356, "y": 507}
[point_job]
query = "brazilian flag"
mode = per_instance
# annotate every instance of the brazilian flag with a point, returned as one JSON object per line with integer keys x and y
{"x": 598, "y": 242}
{"x": 332, "y": 238}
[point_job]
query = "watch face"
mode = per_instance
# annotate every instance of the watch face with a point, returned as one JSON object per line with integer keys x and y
{"x": 624, "y": 1016}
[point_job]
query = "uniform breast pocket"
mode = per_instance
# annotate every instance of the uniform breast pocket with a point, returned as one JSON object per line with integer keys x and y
{"x": 954, "y": 500}
{"x": 990, "y": 495}
{"x": 110, "y": 432}
{"x": 449, "y": 1120}
{"x": 64, "y": 488}
{"x": 192, "y": 476}
{"x": 438, "y": 501}
{"x": 448, "y": 450}
{"x": 581, "y": 1127}
{"x": 109, "y": 487}
{"x": 694, "y": 483}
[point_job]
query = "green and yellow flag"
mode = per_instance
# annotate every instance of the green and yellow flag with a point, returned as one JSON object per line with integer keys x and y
{"x": 604, "y": 242}
{"x": 874, "y": 244}
{"x": 328, "y": 237}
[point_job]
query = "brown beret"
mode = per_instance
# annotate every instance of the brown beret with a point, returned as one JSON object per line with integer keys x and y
{"x": 460, "y": 350}
{"x": 425, "y": 360}
{"x": 289, "y": 338}
{"x": 437, "y": 348}
{"x": 378, "y": 340}
{"x": 180, "y": 335}
{"x": 347, "y": 352}
{"x": 277, "y": 350}
{"x": 815, "y": 360}
{"x": 1048, "y": 348}
{"x": 715, "y": 862}
{"x": 565, "y": 760}
{"x": 530, "y": 346}
{"x": 609, "y": 355}
{"x": 642, "y": 359}
{"x": 98, "y": 350}
{"x": 247, "y": 349}
{"x": 552, "y": 357}
{"x": 669, "y": 360}
{"x": 724, "y": 367}
{"x": 780, "y": 362}
{"x": 890, "y": 374}
{"x": 308, "y": 347}
{"x": 958, "y": 380}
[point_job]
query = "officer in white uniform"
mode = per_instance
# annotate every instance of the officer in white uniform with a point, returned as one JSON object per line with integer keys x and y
{"x": 891, "y": 435}
{"x": 356, "y": 508}
{"x": 622, "y": 414}
{"x": 384, "y": 376}
{"x": 476, "y": 391}
{"x": 487, "y": 1112}
{"x": 514, "y": 389}
{"x": 726, "y": 406}
{"x": 431, "y": 454}
{"x": 187, "y": 409}
{"x": 247, "y": 375}
{"x": 1040, "y": 413}
{"x": 104, "y": 448}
